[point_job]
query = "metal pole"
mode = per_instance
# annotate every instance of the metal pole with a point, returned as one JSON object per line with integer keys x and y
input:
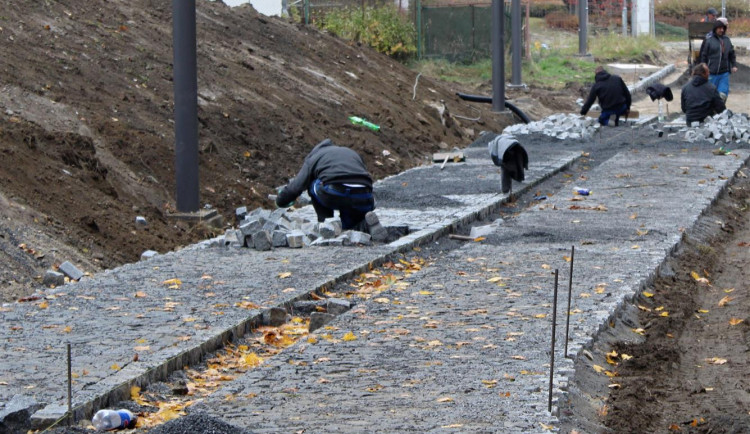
{"x": 583, "y": 17}
{"x": 552, "y": 352}
{"x": 70, "y": 388}
{"x": 570, "y": 293}
{"x": 724, "y": 8}
{"x": 498, "y": 56}
{"x": 418, "y": 7}
{"x": 527, "y": 31}
{"x": 515, "y": 28}
{"x": 306, "y": 7}
{"x": 624, "y": 18}
{"x": 185, "y": 105}
{"x": 634, "y": 17}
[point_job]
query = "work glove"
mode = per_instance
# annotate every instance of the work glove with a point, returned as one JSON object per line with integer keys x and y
{"x": 278, "y": 192}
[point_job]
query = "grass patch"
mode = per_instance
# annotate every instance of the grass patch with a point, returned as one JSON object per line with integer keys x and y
{"x": 611, "y": 46}
{"x": 555, "y": 71}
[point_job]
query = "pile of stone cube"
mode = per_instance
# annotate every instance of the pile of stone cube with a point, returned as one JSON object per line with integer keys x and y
{"x": 563, "y": 126}
{"x": 263, "y": 229}
{"x": 721, "y": 129}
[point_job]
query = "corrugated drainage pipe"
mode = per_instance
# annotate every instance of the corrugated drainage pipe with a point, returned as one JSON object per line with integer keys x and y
{"x": 487, "y": 99}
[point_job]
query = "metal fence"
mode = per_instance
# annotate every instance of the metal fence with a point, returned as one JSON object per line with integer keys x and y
{"x": 458, "y": 33}
{"x": 455, "y": 33}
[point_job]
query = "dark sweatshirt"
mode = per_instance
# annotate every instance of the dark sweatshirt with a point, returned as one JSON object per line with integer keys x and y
{"x": 611, "y": 91}
{"x": 718, "y": 53}
{"x": 332, "y": 165}
{"x": 700, "y": 99}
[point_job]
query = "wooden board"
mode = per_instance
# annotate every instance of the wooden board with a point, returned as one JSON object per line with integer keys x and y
{"x": 452, "y": 157}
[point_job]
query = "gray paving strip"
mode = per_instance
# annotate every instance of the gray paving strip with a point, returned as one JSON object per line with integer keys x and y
{"x": 140, "y": 308}
{"x": 466, "y": 346}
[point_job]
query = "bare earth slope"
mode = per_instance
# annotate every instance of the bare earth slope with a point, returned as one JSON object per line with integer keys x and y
{"x": 86, "y": 129}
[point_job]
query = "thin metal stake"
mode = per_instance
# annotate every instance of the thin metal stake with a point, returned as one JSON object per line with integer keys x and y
{"x": 552, "y": 353}
{"x": 570, "y": 292}
{"x": 70, "y": 388}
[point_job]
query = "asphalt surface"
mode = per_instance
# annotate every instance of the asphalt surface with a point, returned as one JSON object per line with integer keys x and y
{"x": 464, "y": 347}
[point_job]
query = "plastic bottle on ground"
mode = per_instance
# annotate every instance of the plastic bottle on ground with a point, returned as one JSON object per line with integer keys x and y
{"x": 105, "y": 420}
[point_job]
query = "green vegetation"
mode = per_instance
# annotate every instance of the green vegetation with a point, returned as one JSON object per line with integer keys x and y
{"x": 382, "y": 28}
{"x": 613, "y": 46}
{"x": 553, "y": 67}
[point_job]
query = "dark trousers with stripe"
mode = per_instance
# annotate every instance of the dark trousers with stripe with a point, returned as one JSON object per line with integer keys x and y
{"x": 352, "y": 203}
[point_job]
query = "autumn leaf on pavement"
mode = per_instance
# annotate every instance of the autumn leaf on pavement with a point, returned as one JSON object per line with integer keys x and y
{"x": 445, "y": 399}
{"x": 716, "y": 361}
{"x": 735, "y": 321}
{"x": 284, "y": 275}
{"x": 725, "y": 300}
{"x": 350, "y": 337}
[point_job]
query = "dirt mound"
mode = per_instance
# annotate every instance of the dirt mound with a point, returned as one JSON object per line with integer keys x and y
{"x": 86, "y": 129}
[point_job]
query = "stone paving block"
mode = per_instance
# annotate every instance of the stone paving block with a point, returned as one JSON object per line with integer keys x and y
{"x": 326, "y": 230}
{"x": 482, "y": 231}
{"x": 262, "y": 241}
{"x": 71, "y": 270}
{"x": 328, "y": 242}
{"x": 336, "y": 223}
{"x": 278, "y": 238}
{"x": 15, "y": 414}
{"x": 337, "y": 306}
{"x": 251, "y": 225}
{"x": 357, "y": 237}
{"x": 319, "y": 319}
{"x": 295, "y": 239}
{"x": 53, "y": 278}
{"x": 240, "y": 213}
{"x": 47, "y": 416}
{"x": 274, "y": 316}
{"x": 148, "y": 254}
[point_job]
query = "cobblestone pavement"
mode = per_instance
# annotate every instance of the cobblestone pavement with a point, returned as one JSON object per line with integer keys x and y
{"x": 172, "y": 309}
{"x": 466, "y": 346}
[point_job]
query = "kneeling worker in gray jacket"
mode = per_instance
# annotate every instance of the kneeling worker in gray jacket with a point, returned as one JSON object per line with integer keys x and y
{"x": 336, "y": 179}
{"x": 699, "y": 98}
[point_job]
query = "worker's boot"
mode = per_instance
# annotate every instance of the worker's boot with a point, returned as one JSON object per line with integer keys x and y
{"x": 723, "y": 96}
{"x": 376, "y": 230}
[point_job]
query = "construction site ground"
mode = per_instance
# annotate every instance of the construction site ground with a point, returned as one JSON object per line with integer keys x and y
{"x": 456, "y": 338}
{"x": 442, "y": 335}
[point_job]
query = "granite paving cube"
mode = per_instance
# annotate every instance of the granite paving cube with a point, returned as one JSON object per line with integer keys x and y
{"x": 71, "y": 271}
{"x": 262, "y": 241}
{"x": 53, "y": 278}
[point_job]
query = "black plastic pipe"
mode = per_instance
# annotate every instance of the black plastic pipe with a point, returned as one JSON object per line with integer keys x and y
{"x": 487, "y": 99}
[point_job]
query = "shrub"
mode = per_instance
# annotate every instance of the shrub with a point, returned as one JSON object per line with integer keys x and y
{"x": 542, "y": 9}
{"x": 562, "y": 20}
{"x": 382, "y": 28}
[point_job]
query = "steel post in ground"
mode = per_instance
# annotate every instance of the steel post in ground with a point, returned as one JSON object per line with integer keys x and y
{"x": 185, "y": 105}
{"x": 498, "y": 56}
{"x": 570, "y": 292}
{"x": 552, "y": 351}
{"x": 70, "y": 388}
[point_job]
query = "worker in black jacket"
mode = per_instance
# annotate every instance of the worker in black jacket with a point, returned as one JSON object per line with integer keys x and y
{"x": 718, "y": 53}
{"x": 614, "y": 96}
{"x": 336, "y": 179}
{"x": 700, "y": 98}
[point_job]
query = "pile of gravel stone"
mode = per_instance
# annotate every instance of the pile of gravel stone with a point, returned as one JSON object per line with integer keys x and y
{"x": 721, "y": 129}
{"x": 560, "y": 125}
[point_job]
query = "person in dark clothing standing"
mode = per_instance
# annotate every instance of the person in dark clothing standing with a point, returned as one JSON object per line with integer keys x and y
{"x": 614, "y": 96}
{"x": 336, "y": 179}
{"x": 718, "y": 53}
{"x": 699, "y": 98}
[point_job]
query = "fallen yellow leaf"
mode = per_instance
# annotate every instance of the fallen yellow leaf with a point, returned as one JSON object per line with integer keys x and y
{"x": 647, "y": 294}
{"x": 735, "y": 321}
{"x": 350, "y": 337}
{"x": 445, "y": 399}
{"x": 140, "y": 294}
{"x": 725, "y": 300}
{"x": 172, "y": 282}
{"x": 284, "y": 275}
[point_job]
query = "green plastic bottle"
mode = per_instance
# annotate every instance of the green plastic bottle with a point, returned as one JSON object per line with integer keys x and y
{"x": 364, "y": 122}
